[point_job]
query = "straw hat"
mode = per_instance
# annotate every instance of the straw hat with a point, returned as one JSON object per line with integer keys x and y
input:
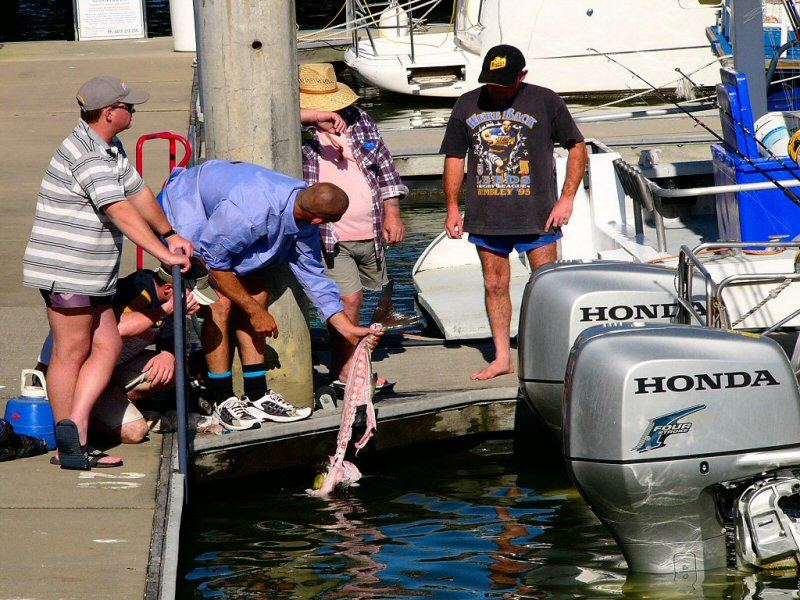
{"x": 320, "y": 90}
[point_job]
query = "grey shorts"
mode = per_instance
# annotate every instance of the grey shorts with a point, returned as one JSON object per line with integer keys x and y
{"x": 355, "y": 266}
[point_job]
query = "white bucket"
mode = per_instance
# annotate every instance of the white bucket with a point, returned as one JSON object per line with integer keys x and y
{"x": 772, "y": 132}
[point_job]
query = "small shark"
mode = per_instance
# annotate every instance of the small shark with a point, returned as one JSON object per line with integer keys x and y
{"x": 359, "y": 390}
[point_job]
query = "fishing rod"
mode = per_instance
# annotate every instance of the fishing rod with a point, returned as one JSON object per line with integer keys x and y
{"x": 787, "y": 166}
{"x": 787, "y": 192}
{"x": 794, "y": 19}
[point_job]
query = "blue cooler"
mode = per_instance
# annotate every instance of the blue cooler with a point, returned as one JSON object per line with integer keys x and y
{"x": 30, "y": 414}
{"x": 752, "y": 216}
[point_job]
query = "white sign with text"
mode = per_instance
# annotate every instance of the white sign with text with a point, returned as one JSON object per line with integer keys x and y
{"x": 109, "y": 19}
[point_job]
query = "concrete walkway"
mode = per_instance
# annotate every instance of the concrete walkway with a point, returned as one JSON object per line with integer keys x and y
{"x": 38, "y": 82}
{"x": 68, "y": 534}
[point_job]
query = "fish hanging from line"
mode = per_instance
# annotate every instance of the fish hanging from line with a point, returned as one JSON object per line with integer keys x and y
{"x": 358, "y": 392}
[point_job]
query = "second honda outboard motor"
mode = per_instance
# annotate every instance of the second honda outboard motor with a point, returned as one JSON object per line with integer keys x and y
{"x": 565, "y": 298}
{"x": 675, "y": 434}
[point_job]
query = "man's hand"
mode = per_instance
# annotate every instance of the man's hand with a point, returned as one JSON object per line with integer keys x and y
{"x": 354, "y": 333}
{"x": 192, "y": 305}
{"x": 394, "y": 230}
{"x": 454, "y": 224}
{"x": 263, "y": 323}
{"x": 328, "y": 121}
{"x": 172, "y": 259}
{"x": 160, "y": 369}
{"x": 178, "y": 242}
{"x": 560, "y": 214}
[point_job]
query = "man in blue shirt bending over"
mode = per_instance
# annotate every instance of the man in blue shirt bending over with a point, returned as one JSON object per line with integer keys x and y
{"x": 241, "y": 218}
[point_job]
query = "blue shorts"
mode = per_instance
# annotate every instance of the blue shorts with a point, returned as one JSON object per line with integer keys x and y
{"x": 503, "y": 244}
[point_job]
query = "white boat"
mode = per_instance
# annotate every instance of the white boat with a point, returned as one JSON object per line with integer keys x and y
{"x": 652, "y": 37}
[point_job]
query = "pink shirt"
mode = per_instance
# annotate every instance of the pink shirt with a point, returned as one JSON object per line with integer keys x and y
{"x": 337, "y": 165}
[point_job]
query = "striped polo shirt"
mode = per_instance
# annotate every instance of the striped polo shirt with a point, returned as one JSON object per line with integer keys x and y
{"x": 74, "y": 247}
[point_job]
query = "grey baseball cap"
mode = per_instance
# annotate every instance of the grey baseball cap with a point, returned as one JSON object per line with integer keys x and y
{"x": 105, "y": 91}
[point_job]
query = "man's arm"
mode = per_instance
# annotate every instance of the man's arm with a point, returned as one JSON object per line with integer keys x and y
{"x": 130, "y": 222}
{"x": 136, "y": 322}
{"x": 145, "y": 202}
{"x": 453, "y": 179}
{"x": 227, "y": 283}
{"x": 394, "y": 230}
{"x": 576, "y": 166}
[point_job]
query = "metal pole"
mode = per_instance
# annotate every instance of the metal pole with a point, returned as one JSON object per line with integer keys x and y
{"x": 179, "y": 303}
{"x": 747, "y": 40}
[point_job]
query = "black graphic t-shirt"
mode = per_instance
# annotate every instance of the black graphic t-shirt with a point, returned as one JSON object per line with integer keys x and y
{"x": 510, "y": 187}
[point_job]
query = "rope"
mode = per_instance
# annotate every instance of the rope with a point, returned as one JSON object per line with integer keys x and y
{"x": 774, "y": 293}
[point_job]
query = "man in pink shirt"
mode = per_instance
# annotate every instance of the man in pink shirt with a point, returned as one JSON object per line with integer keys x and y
{"x": 345, "y": 148}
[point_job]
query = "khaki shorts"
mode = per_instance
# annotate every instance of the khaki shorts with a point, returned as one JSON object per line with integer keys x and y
{"x": 355, "y": 266}
{"x": 113, "y": 409}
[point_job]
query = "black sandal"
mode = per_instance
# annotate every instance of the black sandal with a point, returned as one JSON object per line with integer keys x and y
{"x": 94, "y": 456}
{"x": 70, "y": 451}
{"x": 72, "y": 455}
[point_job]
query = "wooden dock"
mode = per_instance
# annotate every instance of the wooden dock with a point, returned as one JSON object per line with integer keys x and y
{"x": 434, "y": 400}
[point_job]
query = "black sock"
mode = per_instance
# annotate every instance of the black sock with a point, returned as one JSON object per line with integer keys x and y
{"x": 255, "y": 380}
{"x": 220, "y": 386}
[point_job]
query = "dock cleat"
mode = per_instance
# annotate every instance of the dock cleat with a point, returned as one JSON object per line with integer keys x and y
{"x": 273, "y": 407}
{"x": 236, "y": 415}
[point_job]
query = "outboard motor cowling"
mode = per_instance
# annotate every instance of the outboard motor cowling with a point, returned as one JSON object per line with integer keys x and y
{"x": 663, "y": 423}
{"x": 565, "y": 298}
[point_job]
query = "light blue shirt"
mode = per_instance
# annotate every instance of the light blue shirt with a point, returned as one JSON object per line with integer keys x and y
{"x": 240, "y": 217}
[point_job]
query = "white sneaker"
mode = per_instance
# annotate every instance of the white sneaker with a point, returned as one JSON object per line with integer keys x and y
{"x": 234, "y": 415}
{"x": 272, "y": 407}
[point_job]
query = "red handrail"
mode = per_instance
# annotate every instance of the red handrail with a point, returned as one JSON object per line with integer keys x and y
{"x": 173, "y": 148}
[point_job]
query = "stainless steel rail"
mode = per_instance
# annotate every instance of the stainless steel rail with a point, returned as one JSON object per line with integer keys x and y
{"x": 179, "y": 322}
{"x": 716, "y": 311}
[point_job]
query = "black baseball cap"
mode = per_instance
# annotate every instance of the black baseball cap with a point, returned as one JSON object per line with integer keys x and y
{"x": 502, "y": 65}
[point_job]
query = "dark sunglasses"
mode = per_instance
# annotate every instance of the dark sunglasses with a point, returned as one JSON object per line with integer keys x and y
{"x": 129, "y": 107}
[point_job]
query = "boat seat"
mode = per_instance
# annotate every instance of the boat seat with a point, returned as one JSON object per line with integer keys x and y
{"x": 449, "y": 298}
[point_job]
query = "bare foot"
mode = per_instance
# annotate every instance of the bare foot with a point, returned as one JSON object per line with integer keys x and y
{"x": 493, "y": 369}
{"x": 378, "y": 383}
{"x": 106, "y": 460}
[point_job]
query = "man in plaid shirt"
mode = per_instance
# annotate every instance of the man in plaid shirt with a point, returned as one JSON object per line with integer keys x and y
{"x": 343, "y": 146}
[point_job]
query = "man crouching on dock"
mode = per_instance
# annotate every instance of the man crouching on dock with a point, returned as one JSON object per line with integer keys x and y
{"x": 243, "y": 218}
{"x": 507, "y": 128}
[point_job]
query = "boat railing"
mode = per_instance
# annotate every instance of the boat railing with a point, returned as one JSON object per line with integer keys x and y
{"x": 646, "y": 194}
{"x": 365, "y": 15}
{"x": 717, "y": 315}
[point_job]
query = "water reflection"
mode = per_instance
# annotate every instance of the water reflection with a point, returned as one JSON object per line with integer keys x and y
{"x": 487, "y": 522}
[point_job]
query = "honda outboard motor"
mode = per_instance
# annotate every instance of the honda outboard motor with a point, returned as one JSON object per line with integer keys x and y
{"x": 563, "y": 299}
{"x": 673, "y": 433}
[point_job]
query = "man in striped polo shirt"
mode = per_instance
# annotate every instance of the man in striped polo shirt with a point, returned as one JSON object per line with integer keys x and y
{"x": 89, "y": 198}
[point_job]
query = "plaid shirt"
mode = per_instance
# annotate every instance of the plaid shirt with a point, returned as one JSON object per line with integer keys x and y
{"x": 373, "y": 159}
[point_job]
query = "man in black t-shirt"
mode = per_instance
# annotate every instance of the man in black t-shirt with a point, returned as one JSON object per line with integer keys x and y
{"x": 506, "y": 130}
